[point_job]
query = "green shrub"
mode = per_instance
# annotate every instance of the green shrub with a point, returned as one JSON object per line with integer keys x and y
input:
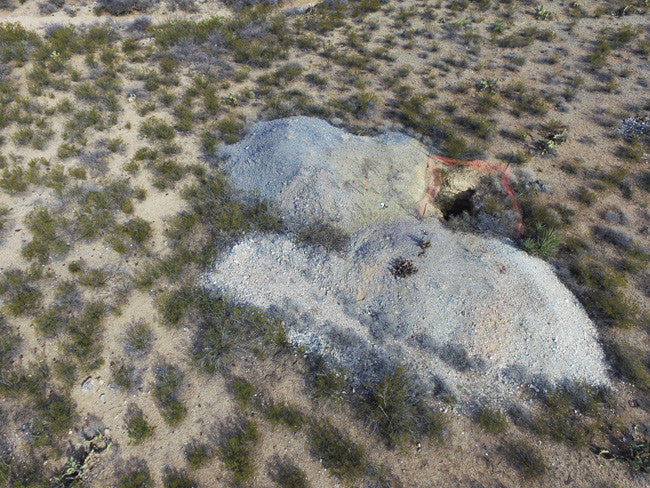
{"x": 166, "y": 173}
{"x": 169, "y": 381}
{"x": 9, "y": 343}
{"x": 198, "y": 455}
{"x": 47, "y": 230}
{"x": 123, "y": 376}
{"x": 157, "y": 129}
{"x": 236, "y": 450}
{"x": 632, "y": 363}
{"x": 54, "y": 416}
{"x": 184, "y": 117}
{"x": 283, "y": 413}
{"x": 479, "y": 126}
{"x": 136, "y": 476}
{"x": 285, "y": 474}
{"x": 138, "y": 429}
{"x": 177, "y": 479}
{"x": 139, "y": 338}
{"x": 231, "y": 128}
{"x": 84, "y": 335}
{"x": 93, "y": 278}
{"x": 328, "y": 382}
{"x": 13, "y": 180}
{"x": 598, "y": 57}
{"x": 173, "y": 305}
{"x": 16, "y": 43}
{"x": 21, "y": 296}
{"x": 50, "y": 322}
{"x": 339, "y": 453}
{"x": 137, "y": 229}
{"x": 23, "y": 382}
{"x": 397, "y": 411}
{"x": 66, "y": 372}
{"x": 566, "y": 414}
{"x": 527, "y": 460}
{"x": 544, "y": 244}
{"x": 225, "y": 327}
{"x": 4, "y": 211}
{"x": 491, "y": 420}
{"x": 67, "y": 150}
{"x": 244, "y": 392}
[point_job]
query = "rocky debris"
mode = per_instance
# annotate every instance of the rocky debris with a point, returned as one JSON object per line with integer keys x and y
{"x": 87, "y": 385}
{"x": 479, "y": 317}
{"x": 635, "y": 126}
{"x": 314, "y": 172}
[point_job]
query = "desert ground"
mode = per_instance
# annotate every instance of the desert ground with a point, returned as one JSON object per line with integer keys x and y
{"x": 119, "y": 367}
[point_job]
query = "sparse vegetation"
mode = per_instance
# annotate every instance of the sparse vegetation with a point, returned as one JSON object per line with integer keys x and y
{"x": 236, "y": 451}
{"x": 527, "y": 460}
{"x": 491, "y": 420}
{"x": 138, "y": 428}
{"x": 113, "y": 202}
{"x": 340, "y": 454}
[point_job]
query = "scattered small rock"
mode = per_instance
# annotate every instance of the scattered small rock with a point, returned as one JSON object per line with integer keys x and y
{"x": 87, "y": 384}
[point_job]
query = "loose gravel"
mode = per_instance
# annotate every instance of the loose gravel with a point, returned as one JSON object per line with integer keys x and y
{"x": 479, "y": 318}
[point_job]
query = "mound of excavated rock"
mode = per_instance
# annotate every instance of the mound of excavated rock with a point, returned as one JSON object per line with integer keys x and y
{"x": 470, "y": 314}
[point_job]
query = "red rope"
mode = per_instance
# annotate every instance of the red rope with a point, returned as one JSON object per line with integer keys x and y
{"x": 435, "y": 182}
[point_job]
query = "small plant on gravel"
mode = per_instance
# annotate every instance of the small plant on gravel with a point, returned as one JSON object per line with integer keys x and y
{"x": 138, "y": 428}
{"x": 285, "y": 474}
{"x": 283, "y": 413}
{"x": 169, "y": 381}
{"x": 139, "y": 338}
{"x": 198, "y": 455}
{"x": 542, "y": 13}
{"x": 402, "y": 268}
{"x": 175, "y": 478}
{"x": 344, "y": 458}
{"x": 527, "y": 460}
{"x": 491, "y": 420}
{"x": 236, "y": 451}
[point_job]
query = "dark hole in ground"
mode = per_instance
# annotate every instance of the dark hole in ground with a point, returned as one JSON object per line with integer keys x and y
{"x": 461, "y": 202}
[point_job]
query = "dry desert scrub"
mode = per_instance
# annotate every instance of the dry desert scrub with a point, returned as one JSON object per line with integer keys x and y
{"x": 112, "y": 204}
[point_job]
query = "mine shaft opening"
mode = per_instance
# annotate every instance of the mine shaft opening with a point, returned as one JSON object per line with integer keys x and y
{"x": 458, "y": 204}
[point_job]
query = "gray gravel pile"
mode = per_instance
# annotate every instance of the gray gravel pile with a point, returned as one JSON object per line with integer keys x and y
{"x": 316, "y": 172}
{"x": 478, "y": 318}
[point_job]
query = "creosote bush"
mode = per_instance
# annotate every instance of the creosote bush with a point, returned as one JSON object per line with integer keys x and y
{"x": 169, "y": 381}
{"x": 136, "y": 475}
{"x": 236, "y": 451}
{"x": 283, "y": 413}
{"x": 396, "y": 408}
{"x": 138, "y": 428}
{"x": 527, "y": 460}
{"x": 198, "y": 454}
{"x": 491, "y": 420}
{"x": 286, "y": 474}
{"x": 175, "y": 478}
{"x": 340, "y": 455}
